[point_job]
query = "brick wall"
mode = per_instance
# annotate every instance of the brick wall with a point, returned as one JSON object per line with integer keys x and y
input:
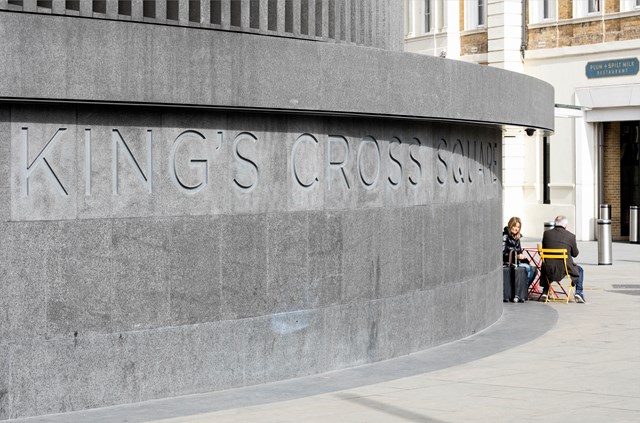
{"x": 474, "y": 43}
{"x": 623, "y": 29}
{"x": 611, "y": 174}
{"x": 565, "y": 9}
{"x": 564, "y": 33}
{"x": 611, "y": 6}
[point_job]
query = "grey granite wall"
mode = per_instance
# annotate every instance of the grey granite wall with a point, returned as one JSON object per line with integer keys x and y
{"x": 123, "y": 62}
{"x": 360, "y": 241}
{"x": 185, "y": 209}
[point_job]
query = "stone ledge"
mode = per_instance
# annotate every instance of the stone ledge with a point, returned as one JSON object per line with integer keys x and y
{"x": 58, "y": 58}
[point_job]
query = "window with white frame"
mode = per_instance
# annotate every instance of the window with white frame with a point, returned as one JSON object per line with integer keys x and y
{"x": 428, "y": 15}
{"x": 587, "y": 7}
{"x": 408, "y": 14}
{"x": 542, "y": 10}
{"x": 424, "y": 17}
{"x": 475, "y": 14}
{"x": 629, "y": 5}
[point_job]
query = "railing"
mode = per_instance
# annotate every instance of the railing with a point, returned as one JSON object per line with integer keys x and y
{"x": 363, "y": 22}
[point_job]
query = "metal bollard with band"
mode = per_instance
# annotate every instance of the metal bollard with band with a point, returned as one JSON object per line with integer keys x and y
{"x": 604, "y": 241}
{"x": 549, "y": 225}
{"x": 605, "y": 212}
{"x": 634, "y": 230}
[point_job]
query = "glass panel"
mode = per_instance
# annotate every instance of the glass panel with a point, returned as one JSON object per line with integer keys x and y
{"x": 254, "y": 14}
{"x": 172, "y": 10}
{"x": 332, "y": 19}
{"x": 100, "y": 6}
{"x": 288, "y": 16}
{"x": 427, "y": 15}
{"x": 343, "y": 21}
{"x": 319, "y": 18}
{"x": 236, "y": 13}
{"x": 194, "y": 10}
{"x": 72, "y": 5}
{"x": 629, "y": 171}
{"x": 148, "y": 9}
{"x": 216, "y": 12}
{"x": 124, "y": 7}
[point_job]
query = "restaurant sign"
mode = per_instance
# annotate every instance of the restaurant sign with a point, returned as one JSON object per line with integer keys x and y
{"x": 607, "y": 68}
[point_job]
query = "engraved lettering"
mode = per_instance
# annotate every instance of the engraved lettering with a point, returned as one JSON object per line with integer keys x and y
{"x": 469, "y": 159}
{"x": 202, "y": 164}
{"x": 489, "y": 158}
{"x": 369, "y": 140}
{"x": 250, "y": 164}
{"x": 495, "y": 163}
{"x": 480, "y": 161}
{"x": 221, "y": 136}
{"x": 294, "y": 170}
{"x": 458, "y": 173}
{"x": 442, "y": 179}
{"x": 417, "y": 164}
{"x": 337, "y": 139}
{"x": 28, "y": 169}
{"x": 117, "y": 140}
{"x": 395, "y": 184}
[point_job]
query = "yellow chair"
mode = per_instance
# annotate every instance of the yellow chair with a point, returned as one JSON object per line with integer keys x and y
{"x": 555, "y": 295}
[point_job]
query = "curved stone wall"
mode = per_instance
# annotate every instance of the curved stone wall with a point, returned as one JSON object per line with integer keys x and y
{"x": 181, "y": 229}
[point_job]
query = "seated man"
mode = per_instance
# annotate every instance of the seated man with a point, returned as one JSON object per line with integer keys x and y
{"x": 560, "y": 237}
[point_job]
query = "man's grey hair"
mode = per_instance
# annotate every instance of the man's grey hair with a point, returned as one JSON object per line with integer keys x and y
{"x": 562, "y": 221}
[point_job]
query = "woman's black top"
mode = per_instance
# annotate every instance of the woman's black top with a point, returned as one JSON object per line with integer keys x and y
{"x": 509, "y": 243}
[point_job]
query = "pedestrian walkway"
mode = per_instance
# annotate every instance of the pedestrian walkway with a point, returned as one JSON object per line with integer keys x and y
{"x": 539, "y": 363}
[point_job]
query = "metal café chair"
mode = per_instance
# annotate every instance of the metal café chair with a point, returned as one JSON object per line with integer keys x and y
{"x": 536, "y": 261}
{"x": 559, "y": 293}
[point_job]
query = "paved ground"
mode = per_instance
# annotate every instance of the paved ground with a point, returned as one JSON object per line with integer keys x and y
{"x": 538, "y": 363}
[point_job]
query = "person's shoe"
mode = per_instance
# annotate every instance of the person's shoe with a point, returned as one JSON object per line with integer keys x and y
{"x": 516, "y": 299}
{"x": 579, "y": 298}
{"x": 543, "y": 297}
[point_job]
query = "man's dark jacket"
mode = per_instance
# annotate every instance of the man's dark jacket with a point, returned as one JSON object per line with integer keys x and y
{"x": 559, "y": 237}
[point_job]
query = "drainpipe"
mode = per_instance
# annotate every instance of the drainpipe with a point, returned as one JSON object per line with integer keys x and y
{"x": 600, "y": 138}
{"x": 523, "y": 45}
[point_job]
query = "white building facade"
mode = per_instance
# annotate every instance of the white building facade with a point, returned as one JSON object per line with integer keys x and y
{"x": 588, "y": 50}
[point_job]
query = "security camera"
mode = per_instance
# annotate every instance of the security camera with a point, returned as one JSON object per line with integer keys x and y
{"x": 530, "y": 131}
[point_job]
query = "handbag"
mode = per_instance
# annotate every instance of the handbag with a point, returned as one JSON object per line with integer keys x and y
{"x": 513, "y": 258}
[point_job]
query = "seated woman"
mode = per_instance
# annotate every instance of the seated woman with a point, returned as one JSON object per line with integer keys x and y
{"x": 511, "y": 246}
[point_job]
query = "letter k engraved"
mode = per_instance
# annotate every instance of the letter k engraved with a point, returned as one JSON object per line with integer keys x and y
{"x": 41, "y": 158}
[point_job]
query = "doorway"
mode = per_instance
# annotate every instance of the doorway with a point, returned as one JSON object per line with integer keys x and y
{"x": 629, "y": 171}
